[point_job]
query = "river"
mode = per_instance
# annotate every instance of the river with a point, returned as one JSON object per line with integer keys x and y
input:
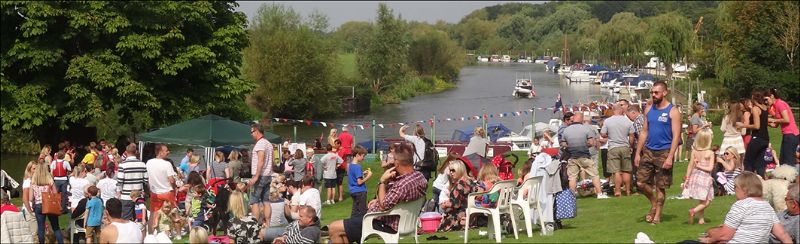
{"x": 485, "y": 87}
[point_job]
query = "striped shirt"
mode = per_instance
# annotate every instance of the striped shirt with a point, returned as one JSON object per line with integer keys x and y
{"x": 132, "y": 175}
{"x": 752, "y": 219}
{"x": 310, "y": 234}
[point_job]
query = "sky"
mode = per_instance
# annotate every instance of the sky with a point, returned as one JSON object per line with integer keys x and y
{"x": 340, "y": 12}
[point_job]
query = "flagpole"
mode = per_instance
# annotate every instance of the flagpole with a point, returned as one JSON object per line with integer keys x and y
{"x": 373, "y": 137}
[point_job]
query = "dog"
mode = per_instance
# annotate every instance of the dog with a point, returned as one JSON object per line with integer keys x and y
{"x": 775, "y": 188}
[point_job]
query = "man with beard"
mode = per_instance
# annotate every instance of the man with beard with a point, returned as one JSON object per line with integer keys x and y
{"x": 655, "y": 150}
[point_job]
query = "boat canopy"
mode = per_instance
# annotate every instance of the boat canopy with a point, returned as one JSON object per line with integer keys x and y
{"x": 493, "y": 130}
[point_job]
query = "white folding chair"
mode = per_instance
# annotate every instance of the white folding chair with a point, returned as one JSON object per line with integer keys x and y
{"x": 75, "y": 229}
{"x": 409, "y": 220}
{"x": 529, "y": 202}
{"x": 505, "y": 189}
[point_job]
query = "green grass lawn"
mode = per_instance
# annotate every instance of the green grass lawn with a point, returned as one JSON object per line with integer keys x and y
{"x": 606, "y": 220}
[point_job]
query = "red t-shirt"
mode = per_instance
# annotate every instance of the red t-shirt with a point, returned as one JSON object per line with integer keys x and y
{"x": 8, "y": 207}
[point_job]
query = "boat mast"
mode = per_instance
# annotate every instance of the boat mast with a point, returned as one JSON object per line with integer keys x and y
{"x": 566, "y": 51}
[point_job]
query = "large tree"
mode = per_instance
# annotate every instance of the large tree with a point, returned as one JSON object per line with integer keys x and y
{"x": 70, "y": 63}
{"x": 669, "y": 38}
{"x": 432, "y": 53}
{"x": 621, "y": 40}
{"x": 291, "y": 63}
{"x": 383, "y": 60}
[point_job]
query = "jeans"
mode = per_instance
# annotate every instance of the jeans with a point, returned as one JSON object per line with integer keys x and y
{"x": 754, "y": 155}
{"x": 272, "y": 233}
{"x": 436, "y": 193}
{"x": 37, "y": 210}
{"x": 61, "y": 186}
{"x": 788, "y": 147}
{"x": 259, "y": 193}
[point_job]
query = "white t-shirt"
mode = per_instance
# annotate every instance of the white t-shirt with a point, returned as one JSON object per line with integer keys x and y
{"x": 419, "y": 145}
{"x": 159, "y": 171}
{"x": 26, "y": 183}
{"x": 262, "y": 145}
{"x": 108, "y": 189}
{"x": 311, "y": 198}
{"x": 441, "y": 182}
{"x": 77, "y": 186}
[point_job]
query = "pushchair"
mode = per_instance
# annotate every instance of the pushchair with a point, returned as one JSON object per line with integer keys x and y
{"x": 505, "y": 168}
{"x": 217, "y": 216}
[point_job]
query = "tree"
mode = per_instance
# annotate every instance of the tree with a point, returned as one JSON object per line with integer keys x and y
{"x": 292, "y": 64}
{"x": 383, "y": 61}
{"x": 70, "y": 63}
{"x": 669, "y": 38}
{"x": 787, "y": 23}
{"x": 516, "y": 29}
{"x": 351, "y": 34}
{"x": 566, "y": 19}
{"x": 621, "y": 39}
{"x": 432, "y": 53}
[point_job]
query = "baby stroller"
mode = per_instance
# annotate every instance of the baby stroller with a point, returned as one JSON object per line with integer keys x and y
{"x": 217, "y": 216}
{"x": 505, "y": 168}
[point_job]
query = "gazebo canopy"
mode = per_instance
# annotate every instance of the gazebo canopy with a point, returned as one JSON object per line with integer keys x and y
{"x": 207, "y": 131}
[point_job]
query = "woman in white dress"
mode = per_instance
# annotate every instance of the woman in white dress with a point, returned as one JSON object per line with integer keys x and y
{"x": 732, "y": 137}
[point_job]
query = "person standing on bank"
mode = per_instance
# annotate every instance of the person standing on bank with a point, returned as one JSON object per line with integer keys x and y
{"x": 784, "y": 118}
{"x": 759, "y": 140}
{"x": 261, "y": 166}
{"x": 619, "y": 131}
{"x": 655, "y": 151}
{"x": 419, "y": 147}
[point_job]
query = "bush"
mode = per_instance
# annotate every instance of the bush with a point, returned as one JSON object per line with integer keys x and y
{"x": 15, "y": 141}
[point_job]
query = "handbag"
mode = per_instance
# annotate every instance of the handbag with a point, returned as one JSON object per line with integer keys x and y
{"x": 51, "y": 202}
{"x": 565, "y": 205}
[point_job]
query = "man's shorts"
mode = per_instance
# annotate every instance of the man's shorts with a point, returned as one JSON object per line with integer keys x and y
{"x": 651, "y": 171}
{"x": 330, "y": 183}
{"x": 576, "y": 165}
{"x": 619, "y": 159}
{"x": 260, "y": 191}
{"x": 157, "y": 200}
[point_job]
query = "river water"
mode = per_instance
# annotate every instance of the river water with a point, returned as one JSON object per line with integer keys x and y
{"x": 483, "y": 88}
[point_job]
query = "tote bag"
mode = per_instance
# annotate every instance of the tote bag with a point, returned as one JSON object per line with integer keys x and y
{"x": 51, "y": 202}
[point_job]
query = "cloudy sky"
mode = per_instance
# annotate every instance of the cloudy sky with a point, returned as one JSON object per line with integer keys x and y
{"x": 342, "y": 11}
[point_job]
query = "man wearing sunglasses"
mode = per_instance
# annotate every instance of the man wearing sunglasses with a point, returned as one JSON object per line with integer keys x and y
{"x": 790, "y": 218}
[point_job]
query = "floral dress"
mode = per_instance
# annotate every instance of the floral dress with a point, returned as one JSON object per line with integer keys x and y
{"x": 243, "y": 230}
{"x": 453, "y": 214}
{"x": 701, "y": 184}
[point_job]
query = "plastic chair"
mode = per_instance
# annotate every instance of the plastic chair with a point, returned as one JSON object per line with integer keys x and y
{"x": 531, "y": 202}
{"x": 409, "y": 220}
{"x": 75, "y": 229}
{"x": 505, "y": 189}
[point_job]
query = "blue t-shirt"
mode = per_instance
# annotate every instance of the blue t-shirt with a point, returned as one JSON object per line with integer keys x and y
{"x": 94, "y": 207}
{"x": 353, "y": 174}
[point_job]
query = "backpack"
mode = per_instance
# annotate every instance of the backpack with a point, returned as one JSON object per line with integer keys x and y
{"x": 59, "y": 170}
{"x": 431, "y": 157}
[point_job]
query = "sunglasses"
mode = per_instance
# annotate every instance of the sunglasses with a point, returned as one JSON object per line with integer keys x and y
{"x": 452, "y": 170}
{"x": 726, "y": 153}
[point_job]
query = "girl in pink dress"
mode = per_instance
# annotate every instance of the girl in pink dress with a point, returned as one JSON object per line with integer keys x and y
{"x": 698, "y": 183}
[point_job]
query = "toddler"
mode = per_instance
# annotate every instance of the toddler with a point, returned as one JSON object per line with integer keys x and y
{"x": 487, "y": 176}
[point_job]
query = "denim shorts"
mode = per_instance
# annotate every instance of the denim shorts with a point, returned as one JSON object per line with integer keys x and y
{"x": 260, "y": 191}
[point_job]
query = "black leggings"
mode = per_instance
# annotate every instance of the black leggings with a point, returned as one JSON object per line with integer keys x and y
{"x": 754, "y": 155}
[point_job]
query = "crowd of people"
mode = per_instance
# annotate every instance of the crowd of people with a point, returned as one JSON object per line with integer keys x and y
{"x": 253, "y": 196}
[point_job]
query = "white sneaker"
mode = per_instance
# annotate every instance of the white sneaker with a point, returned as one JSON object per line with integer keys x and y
{"x": 602, "y": 196}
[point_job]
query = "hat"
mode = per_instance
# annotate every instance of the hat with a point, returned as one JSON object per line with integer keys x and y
{"x": 344, "y": 128}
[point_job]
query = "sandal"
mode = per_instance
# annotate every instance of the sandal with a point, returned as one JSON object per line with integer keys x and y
{"x": 649, "y": 217}
{"x": 655, "y": 221}
{"x": 691, "y": 216}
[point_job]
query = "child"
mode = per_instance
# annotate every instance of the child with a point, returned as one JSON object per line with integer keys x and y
{"x": 5, "y": 204}
{"x": 165, "y": 224}
{"x": 487, "y": 176}
{"x": 770, "y": 159}
{"x": 535, "y": 148}
{"x": 357, "y": 179}
{"x": 389, "y": 161}
{"x": 442, "y": 181}
{"x": 330, "y": 161}
{"x": 140, "y": 209}
{"x": 200, "y": 203}
{"x": 94, "y": 214}
{"x": 698, "y": 181}
{"x": 241, "y": 186}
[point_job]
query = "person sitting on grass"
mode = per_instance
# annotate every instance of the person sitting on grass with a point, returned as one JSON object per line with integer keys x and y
{"x": 357, "y": 181}
{"x": 198, "y": 235}
{"x": 455, "y": 208}
{"x": 243, "y": 227}
{"x": 750, "y": 219}
{"x": 304, "y": 230}
{"x": 397, "y": 185}
{"x": 487, "y": 176}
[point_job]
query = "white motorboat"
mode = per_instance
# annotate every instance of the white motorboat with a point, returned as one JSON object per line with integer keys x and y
{"x": 522, "y": 141}
{"x": 524, "y": 88}
{"x": 506, "y": 59}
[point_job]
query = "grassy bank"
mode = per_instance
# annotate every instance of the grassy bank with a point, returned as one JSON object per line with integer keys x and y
{"x": 607, "y": 220}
